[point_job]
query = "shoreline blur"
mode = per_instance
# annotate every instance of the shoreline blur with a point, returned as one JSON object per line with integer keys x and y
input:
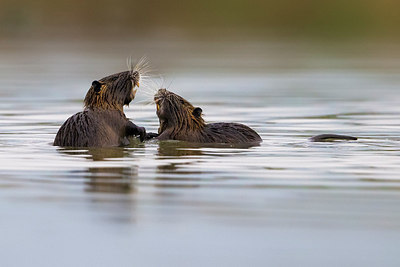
{"x": 329, "y": 19}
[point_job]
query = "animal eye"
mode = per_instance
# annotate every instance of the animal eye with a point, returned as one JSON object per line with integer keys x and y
{"x": 158, "y": 106}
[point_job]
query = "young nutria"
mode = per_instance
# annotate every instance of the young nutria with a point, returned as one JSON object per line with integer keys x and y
{"x": 180, "y": 120}
{"x": 103, "y": 122}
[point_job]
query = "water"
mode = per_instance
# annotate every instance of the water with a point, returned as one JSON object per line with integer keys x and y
{"x": 287, "y": 202}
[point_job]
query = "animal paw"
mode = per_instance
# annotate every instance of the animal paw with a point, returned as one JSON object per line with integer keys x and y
{"x": 150, "y": 136}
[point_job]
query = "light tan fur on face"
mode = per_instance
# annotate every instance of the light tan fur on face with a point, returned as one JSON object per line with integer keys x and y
{"x": 177, "y": 112}
{"x": 118, "y": 89}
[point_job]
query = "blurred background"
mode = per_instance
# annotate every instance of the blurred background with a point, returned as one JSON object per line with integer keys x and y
{"x": 201, "y": 37}
{"x": 201, "y": 19}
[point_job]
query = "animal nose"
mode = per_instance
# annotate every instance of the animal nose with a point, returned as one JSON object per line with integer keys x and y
{"x": 135, "y": 76}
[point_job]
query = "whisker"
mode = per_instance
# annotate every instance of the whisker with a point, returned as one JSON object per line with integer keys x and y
{"x": 129, "y": 64}
{"x": 147, "y": 102}
{"x": 142, "y": 66}
{"x": 169, "y": 85}
{"x": 149, "y": 83}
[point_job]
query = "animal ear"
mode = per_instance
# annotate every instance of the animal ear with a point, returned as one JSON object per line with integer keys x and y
{"x": 96, "y": 86}
{"x": 197, "y": 112}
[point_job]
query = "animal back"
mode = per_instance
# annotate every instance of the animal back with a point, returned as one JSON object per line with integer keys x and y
{"x": 231, "y": 133}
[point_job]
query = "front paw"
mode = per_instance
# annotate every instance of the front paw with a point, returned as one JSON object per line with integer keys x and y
{"x": 141, "y": 133}
{"x": 151, "y": 135}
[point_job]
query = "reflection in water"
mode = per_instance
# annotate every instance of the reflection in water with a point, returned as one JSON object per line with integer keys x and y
{"x": 111, "y": 180}
{"x": 106, "y": 179}
{"x": 96, "y": 154}
{"x": 170, "y": 151}
{"x": 178, "y": 149}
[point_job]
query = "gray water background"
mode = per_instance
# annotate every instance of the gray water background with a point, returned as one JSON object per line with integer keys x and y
{"x": 287, "y": 202}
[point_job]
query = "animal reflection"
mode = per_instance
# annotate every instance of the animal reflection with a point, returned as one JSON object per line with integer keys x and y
{"x": 96, "y": 154}
{"x": 178, "y": 149}
{"x": 111, "y": 180}
{"x": 106, "y": 179}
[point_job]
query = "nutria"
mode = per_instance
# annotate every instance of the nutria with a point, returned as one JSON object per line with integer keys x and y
{"x": 103, "y": 123}
{"x": 180, "y": 120}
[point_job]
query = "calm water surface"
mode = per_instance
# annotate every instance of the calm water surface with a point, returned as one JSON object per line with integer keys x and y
{"x": 287, "y": 202}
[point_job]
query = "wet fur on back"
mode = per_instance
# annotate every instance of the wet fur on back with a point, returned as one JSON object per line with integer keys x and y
{"x": 180, "y": 120}
{"x": 93, "y": 129}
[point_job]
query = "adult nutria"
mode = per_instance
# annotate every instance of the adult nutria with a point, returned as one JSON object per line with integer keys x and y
{"x": 103, "y": 123}
{"x": 180, "y": 120}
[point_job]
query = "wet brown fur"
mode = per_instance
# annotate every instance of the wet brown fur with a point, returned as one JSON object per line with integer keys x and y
{"x": 102, "y": 123}
{"x": 180, "y": 120}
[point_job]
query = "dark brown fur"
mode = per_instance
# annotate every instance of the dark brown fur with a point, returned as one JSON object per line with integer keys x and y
{"x": 180, "y": 120}
{"x": 103, "y": 123}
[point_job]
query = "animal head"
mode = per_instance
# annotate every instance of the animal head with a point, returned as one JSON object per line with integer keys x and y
{"x": 116, "y": 90}
{"x": 177, "y": 113}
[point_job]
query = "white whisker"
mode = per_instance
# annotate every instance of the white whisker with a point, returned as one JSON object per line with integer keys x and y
{"x": 146, "y": 102}
{"x": 149, "y": 83}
